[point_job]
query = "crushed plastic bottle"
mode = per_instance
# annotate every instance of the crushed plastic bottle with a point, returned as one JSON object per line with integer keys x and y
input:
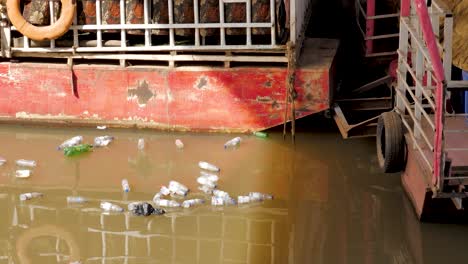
{"x": 233, "y": 142}
{"x": 110, "y": 207}
{"x": 76, "y": 199}
{"x": 26, "y": 163}
{"x": 125, "y": 185}
{"x": 29, "y": 196}
{"x": 260, "y": 134}
{"x": 210, "y": 176}
{"x": 205, "y": 181}
{"x": 179, "y": 144}
{"x": 144, "y": 208}
{"x": 217, "y": 201}
{"x": 71, "y": 142}
{"x": 102, "y": 141}
{"x": 101, "y": 127}
{"x": 178, "y": 188}
{"x": 207, "y": 166}
{"x": 23, "y": 173}
{"x": 243, "y": 199}
{"x": 257, "y": 196}
{"x": 192, "y": 202}
{"x": 221, "y": 194}
{"x": 206, "y": 189}
{"x": 141, "y": 144}
{"x": 164, "y": 190}
{"x": 78, "y": 149}
{"x": 2, "y": 161}
{"x": 166, "y": 203}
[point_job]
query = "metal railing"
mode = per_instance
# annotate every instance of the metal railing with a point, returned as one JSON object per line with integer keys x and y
{"x": 422, "y": 97}
{"x": 367, "y": 26}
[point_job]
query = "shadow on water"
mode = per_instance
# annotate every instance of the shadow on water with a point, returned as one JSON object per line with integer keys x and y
{"x": 332, "y": 205}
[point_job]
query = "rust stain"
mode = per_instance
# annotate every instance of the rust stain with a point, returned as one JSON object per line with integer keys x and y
{"x": 202, "y": 82}
{"x": 141, "y": 93}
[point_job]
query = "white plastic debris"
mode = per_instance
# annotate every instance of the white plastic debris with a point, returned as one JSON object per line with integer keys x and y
{"x": 125, "y": 185}
{"x": 210, "y": 176}
{"x": 29, "y": 196}
{"x": 206, "y": 189}
{"x": 2, "y": 161}
{"x": 221, "y": 194}
{"x": 233, "y": 142}
{"x": 207, "y": 166}
{"x": 192, "y": 202}
{"x": 101, "y": 127}
{"x": 257, "y": 196}
{"x": 103, "y": 141}
{"x": 141, "y": 144}
{"x": 178, "y": 188}
{"x": 206, "y": 181}
{"x": 71, "y": 142}
{"x": 23, "y": 173}
{"x": 26, "y": 163}
{"x": 217, "y": 201}
{"x": 164, "y": 190}
{"x": 166, "y": 203}
{"x": 179, "y": 144}
{"x": 110, "y": 207}
{"x": 76, "y": 199}
{"x": 243, "y": 199}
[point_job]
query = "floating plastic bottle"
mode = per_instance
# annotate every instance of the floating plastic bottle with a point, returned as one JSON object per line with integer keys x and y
{"x": 210, "y": 176}
{"x": 192, "y": 202}
{"x": 78, "y": 149}
{"x": 243, "y": 199}
{"x": 177, "y": 188}
{"x": 76, "y": 199}
{"x": 205, "y": 181}
{"x": 179, "y": 144}
{"x": 101, "y": 127}
{"x": 141, "y": 144}
{"x": 221, "y": 194}
{"x": 125, "y": 185}
{"x": 71, "y": 142}
{"x": 2, "y": 161}
{"x": 164, "y": 190}
{"x": 260, "y": 134}
{"x": 29, "y": 196}
{"x": 207, "y": 166}
{"x": 102, "y": 141}
{"x": 206, "y": 189}
{"x": 257, "y": 196}
{"x": 26, "y": 163}
{"x": 217, "y": 201}
{"x": 233, "y": 142}
{"x": 23, "y": 173}
{"x": 166, "y": 203}
{"x": 110, "y": 207}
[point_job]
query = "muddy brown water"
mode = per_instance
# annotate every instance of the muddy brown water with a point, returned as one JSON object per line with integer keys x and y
{"x": 331, "y": 204}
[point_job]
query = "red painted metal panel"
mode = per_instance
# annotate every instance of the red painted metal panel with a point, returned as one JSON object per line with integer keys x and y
{"x": 238, "y": 99}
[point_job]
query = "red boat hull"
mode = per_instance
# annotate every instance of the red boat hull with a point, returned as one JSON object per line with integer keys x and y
{"x": 185, "y": 98}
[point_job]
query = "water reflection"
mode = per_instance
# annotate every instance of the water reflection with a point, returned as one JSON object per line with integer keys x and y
{"x": 332, "y": 205}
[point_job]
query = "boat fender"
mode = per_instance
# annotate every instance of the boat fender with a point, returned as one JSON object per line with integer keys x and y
{"x": 391, "y": 147}
{"x": 41, "y": 33}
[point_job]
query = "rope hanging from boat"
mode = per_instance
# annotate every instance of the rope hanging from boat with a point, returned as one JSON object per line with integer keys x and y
{"x": 290, "y": 111}
{"x": 41, "y": 33}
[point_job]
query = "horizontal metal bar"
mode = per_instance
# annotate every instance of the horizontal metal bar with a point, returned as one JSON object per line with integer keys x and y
{"x": 458, "y": 84}
{"x": 234, "y": 1}
{"x": 380, "y": 54}
{"x": 395, "y": 35}
{"x": 154, "y": 48}
{"x": 457, "y": 149}
{"x": 382, "y": 16}
{"x": 168, "y": 26}
{"x": 456, "y": 131}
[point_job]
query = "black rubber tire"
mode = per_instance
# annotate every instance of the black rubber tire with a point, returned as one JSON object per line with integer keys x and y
{"x": 391, "y": 149}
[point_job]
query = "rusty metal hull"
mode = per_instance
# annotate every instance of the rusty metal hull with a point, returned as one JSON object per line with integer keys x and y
{"x": 185, "y": 98}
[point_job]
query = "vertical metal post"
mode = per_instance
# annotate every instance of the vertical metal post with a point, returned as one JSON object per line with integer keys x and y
{"x": 292, "y": 22}
{"x": 52, "y": 20}
{"x": 448, "y": 31}
{"x": 146, "y": 8}
{"x": 170, "y": 6}
{"x": 123, "y": 33}
{"x": 196, "y": 16}
{"x": 248, "y": 9}
{"x": 98, "y": 22}
{"x": 403, "y": 48}
{"x": 370, "y": 25}
{"x": 419, "y": 76}
{"x": 221, "y": 21}
{"x": 76, "y": 42}
{"x": 25, "y": 42}
{"x": 6, "y": 40}
{"x": 273, "y": 22}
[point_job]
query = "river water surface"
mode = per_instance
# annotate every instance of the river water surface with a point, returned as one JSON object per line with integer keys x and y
{"x": 332, "y": 205}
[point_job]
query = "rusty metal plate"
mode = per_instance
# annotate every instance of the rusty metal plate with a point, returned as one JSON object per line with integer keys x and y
{"x": 37, "y": 12}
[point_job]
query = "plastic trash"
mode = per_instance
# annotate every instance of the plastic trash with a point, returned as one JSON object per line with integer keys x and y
{"x": 164, "y": 190}
{"x": 233, "y": 142}
{"x": 207, "y": 166}
{"x": 71, "y": 142}
{"x": 178, "y": 188}
{"x": 221, "y": 194}
{"x": 210, "y": 176}
{"x": 243, "y": 199}
{"x": 101, "y": 127}
{"x": 23, "y": 173}
{"x": 78, "y": 149}
{"x": 206, "y": 189}
{"x": 26, "y": 163}
{"x": 166, "y": 203}
{"x": 257, "y": 196}
{"x": 76, "y": 199}
{"x": 217, "y": 201}
{"x": 205, "y": 181}
{"x": 125, "y": 185}
{"x": 141, "y": 144}
{"x": 179, "y": 144}
{"x": 144, "y": 208}
{"x": 102, "y": 141}
{"x": 192, "y": 202}
{"x": 110, "y": 207}
{"x": 2, "y": 161}
{"x": 29, "y": 196}
{"x": 260, "y": 134}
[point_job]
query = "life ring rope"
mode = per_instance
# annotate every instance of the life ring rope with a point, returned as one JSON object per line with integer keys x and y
{"x": 41, "y": 33}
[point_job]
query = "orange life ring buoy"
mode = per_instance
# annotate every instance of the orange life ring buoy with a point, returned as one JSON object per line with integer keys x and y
{"x": 41, "y": 33}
